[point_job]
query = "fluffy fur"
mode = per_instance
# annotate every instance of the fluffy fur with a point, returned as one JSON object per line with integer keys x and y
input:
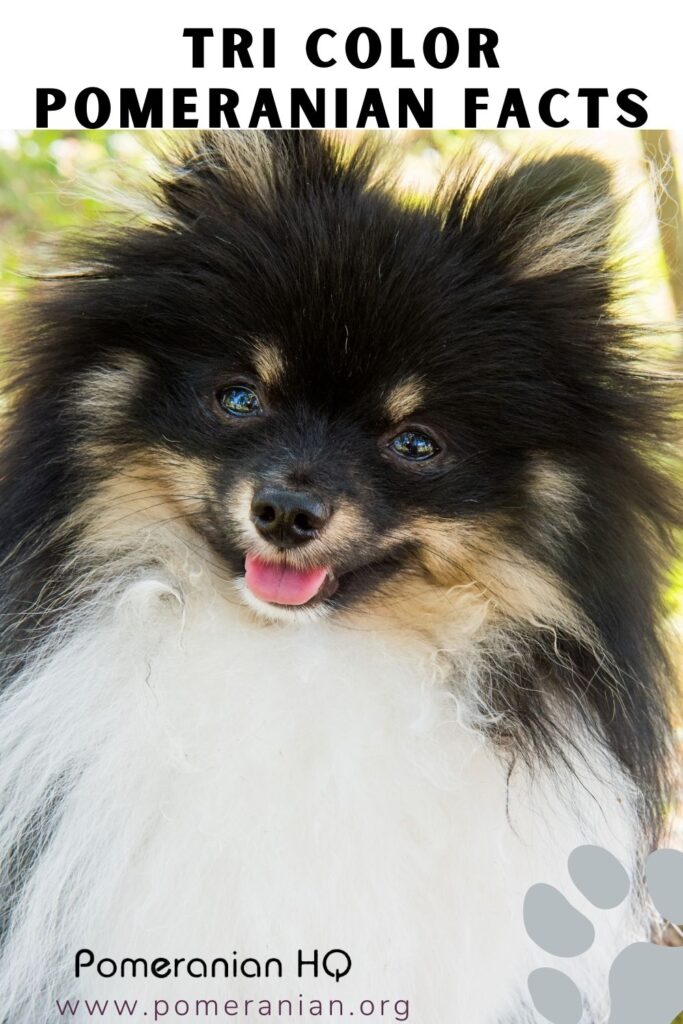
{"x": 186, "y": 770}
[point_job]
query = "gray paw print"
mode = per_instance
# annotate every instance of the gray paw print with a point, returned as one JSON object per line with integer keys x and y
{"x": 645, "y": 980}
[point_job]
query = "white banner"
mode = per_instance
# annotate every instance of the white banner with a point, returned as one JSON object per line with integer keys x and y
{"x": 483, "y": 64}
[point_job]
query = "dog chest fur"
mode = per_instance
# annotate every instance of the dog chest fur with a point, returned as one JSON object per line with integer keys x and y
{"x": 225, "y": 785}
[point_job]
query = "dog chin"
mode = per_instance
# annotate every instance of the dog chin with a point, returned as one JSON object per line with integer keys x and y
{"x": 281, "y": 612}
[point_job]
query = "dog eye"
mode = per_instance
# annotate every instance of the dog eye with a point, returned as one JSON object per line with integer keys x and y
{"x": 239, "y": 401}
{"x": 410, "y": 444}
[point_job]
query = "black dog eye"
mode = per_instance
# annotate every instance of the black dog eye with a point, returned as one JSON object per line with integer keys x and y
{"x": 410, "y": 444}
{"x": 239, "y": 401}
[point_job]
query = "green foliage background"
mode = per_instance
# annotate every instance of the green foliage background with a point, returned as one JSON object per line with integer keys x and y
{"x": 44, "y": 188}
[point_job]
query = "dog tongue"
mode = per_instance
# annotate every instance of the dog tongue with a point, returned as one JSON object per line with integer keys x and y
{"x": 282, "y": 584}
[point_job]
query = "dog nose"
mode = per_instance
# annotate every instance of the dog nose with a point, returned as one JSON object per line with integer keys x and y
{"x": 287, "y": 518}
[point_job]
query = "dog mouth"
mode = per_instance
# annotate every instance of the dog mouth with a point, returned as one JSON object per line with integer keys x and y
{"x": 286, "y": 585}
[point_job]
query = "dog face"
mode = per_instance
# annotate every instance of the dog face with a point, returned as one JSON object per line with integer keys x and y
{"x": 346, "y": 393}
{"x": 325, "y": 477}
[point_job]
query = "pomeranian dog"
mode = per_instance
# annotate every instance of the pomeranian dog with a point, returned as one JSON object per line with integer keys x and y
{"x": 334, "y": 532}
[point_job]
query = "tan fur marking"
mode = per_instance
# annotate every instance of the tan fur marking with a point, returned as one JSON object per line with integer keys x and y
{"x": 411, "y": 604}
{"x": 105, "y": 391}
{"x": 518, "y": 587}
{"x": 405, "y": 399}
{"x": 157, "y": 490}
{"x": 268, "y": 362}
{"x": 466, "y": 575}
{"x": 552, "y": 485}
{"x": 554, "y": 493}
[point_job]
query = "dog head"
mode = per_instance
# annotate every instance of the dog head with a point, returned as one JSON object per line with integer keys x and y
{"x": 349, "y": 394}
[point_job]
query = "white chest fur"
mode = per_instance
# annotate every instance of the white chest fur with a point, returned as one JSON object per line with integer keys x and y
{"x": 228, "y": 786}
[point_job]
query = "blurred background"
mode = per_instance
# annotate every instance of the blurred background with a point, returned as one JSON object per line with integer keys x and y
{"x": 50, "y": 183}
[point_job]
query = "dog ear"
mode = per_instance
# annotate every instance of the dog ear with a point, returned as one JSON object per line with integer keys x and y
{"x": 238, "y": 172}
{"x": 540, "y": 218}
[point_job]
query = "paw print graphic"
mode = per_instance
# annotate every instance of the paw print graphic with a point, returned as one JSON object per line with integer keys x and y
{"x": 645, "y": 980}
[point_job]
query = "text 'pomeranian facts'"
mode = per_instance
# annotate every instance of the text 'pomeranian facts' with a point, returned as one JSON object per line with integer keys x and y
{"x": 334, "y": 527}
